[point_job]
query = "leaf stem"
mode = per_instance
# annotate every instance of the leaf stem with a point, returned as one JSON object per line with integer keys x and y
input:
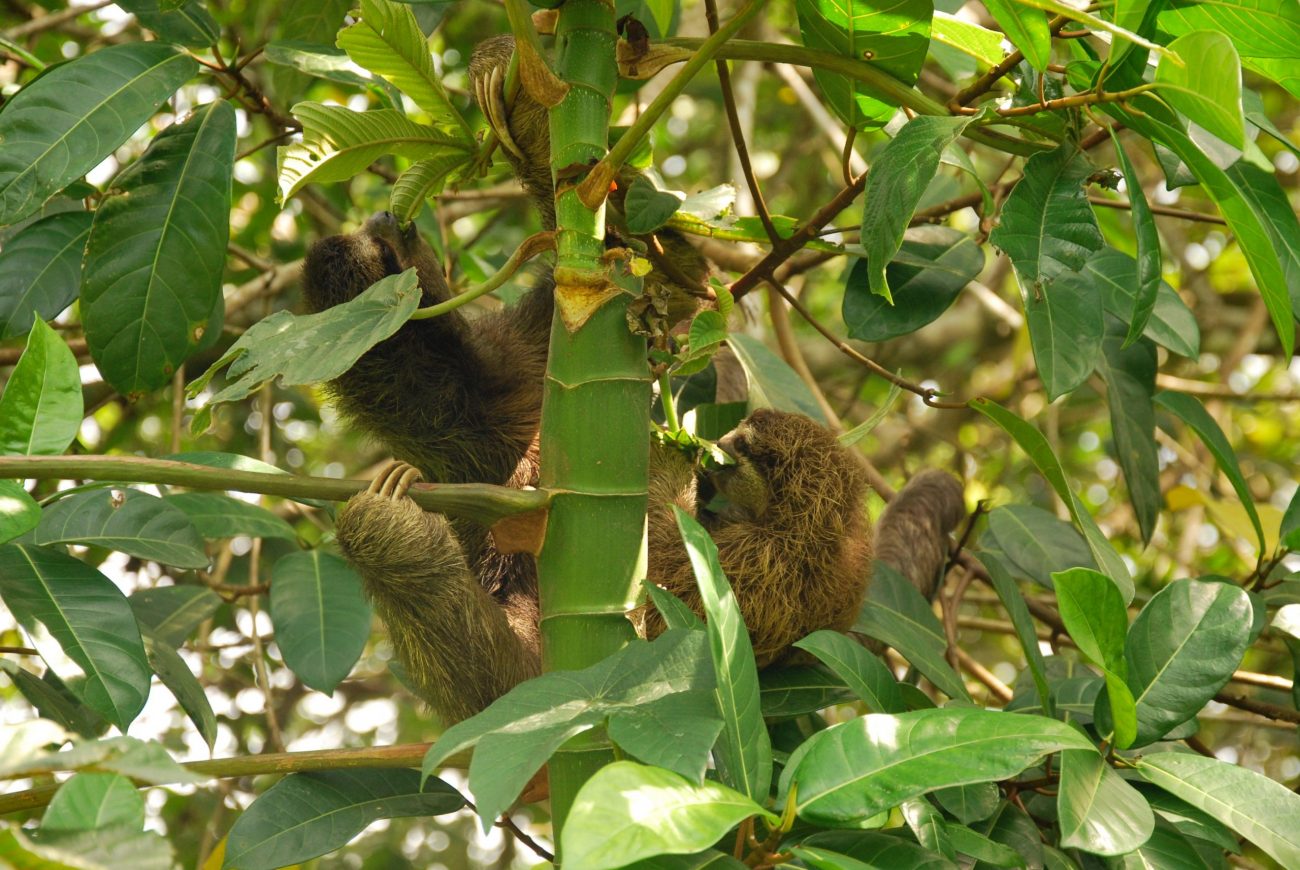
{"x": 532, "y": 246}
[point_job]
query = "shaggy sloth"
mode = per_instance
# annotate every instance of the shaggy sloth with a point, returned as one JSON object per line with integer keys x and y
{"x": 460, "y": 402}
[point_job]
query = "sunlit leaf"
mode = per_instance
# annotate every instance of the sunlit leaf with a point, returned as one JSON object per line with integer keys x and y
{"x": 41, "y": 407}
{"x": 321, "y": 617}
{"x": 131, "y": 521}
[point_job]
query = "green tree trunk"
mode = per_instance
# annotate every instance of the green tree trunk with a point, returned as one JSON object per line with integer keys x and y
{"x": 595, "y": 410}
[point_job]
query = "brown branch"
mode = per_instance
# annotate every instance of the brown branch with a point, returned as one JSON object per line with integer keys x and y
{"x": 1165, "y": 210}
{"x": 9, "y": 355}
{"x": 984, "y": 83}
{"x": 52, "y": 21}
{"x": 1275, "y": 712}
{"x": 18, "y": 651}
{"x": 999, "y": 689}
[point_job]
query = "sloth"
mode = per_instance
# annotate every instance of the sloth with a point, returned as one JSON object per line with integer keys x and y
{"x": 459, "y": 401}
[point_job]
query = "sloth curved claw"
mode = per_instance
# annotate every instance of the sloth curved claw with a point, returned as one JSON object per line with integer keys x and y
{"x": 490, "y": 92}
{"x": 394, "y": 480}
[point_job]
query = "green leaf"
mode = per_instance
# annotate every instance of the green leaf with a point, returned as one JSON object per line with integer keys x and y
{"x": 1171, "y": 324}
{"x": 1191, "y": 412}
{"x": 519, "y": 731}
{"x": 1038, "y": 450}
{"x": 1100, "y": 812}
{"x": 1188, "y": 819}
{"x": 1235, "y": 204}
{"x": 106, "y": 848}
{"x": 876, "y": 849}
{"x": 321, "y": 617}
{"x": 675, "y": 612}
{"x": 173, "y": 613}
{"x": 40, "y": 270}
{"x": 54, "y": 701}
{"x": 894, "y": 37}
{"x": 898, "y": 177}
{"x": 1259, "y": 809}
{"x": 855, "y": 770}
{"x": 1271, "y": 205}
{"x": 87, "y": 617}
{"x": 675, "y": 732}
{"x": 180, "y": 681}
{"x": 94, "y": 800}
{"x": 40, "y": 409}
{"x": 772, "y": 383}
{"x": 1012, "y": 828}
{"x": 1147, "y": 290}
{"x": 1013, "y": 601}
{"x": 388, "y": 42}
{"x": 1266, "y": 33}
{"x": 131, "y": 521}
{"x": 316, "y": 59}
{"x": 1065, "y": 330}
{"x": 337, "y": 143}
{"x": 896, "y": 614}
{"x": 1097, "y": 620}
{"x": 744, "y": 754}
{"x": 795, "y": 691}
{"x": 186, "y": 23}
{"x": 1047, "y": 226}
{"x": 648, "y": 208}
{"x": 862, "y": 672}
{"x": 19, "y": 512}
{"x": 628, "y": 811}
{"x": 306, "y": 815}
{"x": 934, "y": 264}
{"x": 927, "y": 825}
{"x": 1204, "y": 83}
{"x": 288, "y": 346}
{"x": 422, "y": 180}
{"x": 969, "y": 803}
{"x": 157, "y": 247}
{"x": 220, "y": 516}
{"x": 1035, "y": 544}
{"x": 1130, "y": 375}
{"x": 1026, "y": 28}
{"x": 1182, "y": 648}
{"x": 65, "y": 122}
{"x": 979, "y": 42}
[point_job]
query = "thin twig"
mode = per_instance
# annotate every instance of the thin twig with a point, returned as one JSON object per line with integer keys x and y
{"x": 52, "y": 21}
{"x": 509, "y": 824}
{"x": 1275, "y": 712}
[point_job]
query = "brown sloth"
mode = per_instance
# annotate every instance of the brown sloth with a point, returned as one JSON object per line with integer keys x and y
{"x": 457, "y": 401}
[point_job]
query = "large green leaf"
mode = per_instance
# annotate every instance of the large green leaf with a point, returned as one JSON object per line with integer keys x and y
{"x": 309, "y": 814}
{"x": 321, "y": 617}
{"x": 1259, "y": 809}
{"x": 131, "y": 521}
{"x": 862, "y": 672}
{"x": 772, "y": 383}
{"x": 388, "y": 42}
{"x": 896, "y": 614}
{"x": 422, "y": 180}
{"x": 744, "y": 752}
{"x": 1026, "y": 28}
{"x": 877, "y": 849}
{"x": 1095, "y": 616}
{"x": 60, "y": 126}
{"x": 1191, "y": 412}
{"x": 794, "y": 691}
{"x": 1271, "y": 205}
{"x": 316, "y": 59}
{"x": 1036, "y": 544}
{"x": 894, "y": 36}
{"x": 1013, "y": 601}
{"x": 173, "y": 613}
{"x": 1130, "y": 375}
{"x": 219, "y": 516}
{"x": 181, "y": 682}
{"x": 898, "y": 177}
{"x": 675, "y": 732}
{"x": 628, "y": 811}
{"x": 108, "y": 848}
{"x": 1266, "y": 33}
{"x": 337, "y": 143}
{"x": 933, "y": 265}
{"x": 152, "y": 274}
{"x": 1171, "y": 324}
{"x": 87, "y": 617}
{"x": 289, "y": 346}
{"x": 40, "y": 409}
{"x": 1065, "y": 330}
{"x": 1204, "y": 83}
{"x": 1147, "y": 238}
{"x": 519, "y": 731}
{"x": 40, "y": 270}
{"x": 94, "y": 800}
{"x": 54, "y": 701}
{"x": 1038, "y": 450}
{"x": 850, "y": 772}
{"x": 979, "y": 42}
{"x": 1047, "y": 226}
{"x": 182, "y": 21}
{"x": 19, "y": 512}
{"x": 1182, "y": 648}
